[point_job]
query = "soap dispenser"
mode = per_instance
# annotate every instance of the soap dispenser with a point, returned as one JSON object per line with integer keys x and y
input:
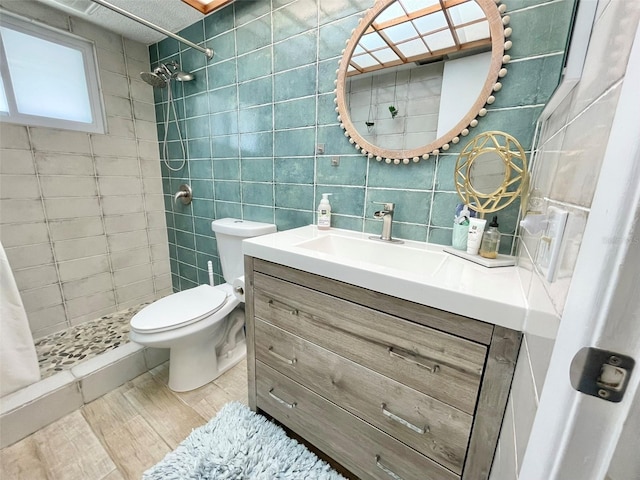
{"x": 324, "y": 213}
{"x": 491, "y": 240}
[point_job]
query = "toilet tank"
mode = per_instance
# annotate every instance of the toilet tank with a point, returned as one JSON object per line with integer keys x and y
{"x": 229, "y": 233}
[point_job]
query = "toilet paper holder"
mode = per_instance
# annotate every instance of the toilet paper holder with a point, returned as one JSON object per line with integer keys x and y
{"x": 238, "y": 288}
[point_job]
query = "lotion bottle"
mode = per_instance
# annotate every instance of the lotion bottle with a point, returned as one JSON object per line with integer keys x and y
{"x": 476, "y": 228}
{"x": 324, "y": 213}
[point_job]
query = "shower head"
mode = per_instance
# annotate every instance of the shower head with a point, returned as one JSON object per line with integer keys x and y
{"x": 164, "y": 73}
{"x": 155, "y": 78}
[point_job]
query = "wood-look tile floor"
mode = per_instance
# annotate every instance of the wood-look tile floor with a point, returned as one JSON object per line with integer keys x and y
{"x": 123, "y": 433}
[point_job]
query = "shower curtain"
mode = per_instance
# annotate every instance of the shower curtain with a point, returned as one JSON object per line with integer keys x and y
{"x": 18, "y": 358}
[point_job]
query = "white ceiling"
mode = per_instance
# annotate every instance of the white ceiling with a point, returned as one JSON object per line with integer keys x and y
{"x": 172, "y": 15}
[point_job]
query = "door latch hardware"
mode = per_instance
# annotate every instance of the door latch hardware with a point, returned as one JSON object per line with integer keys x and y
{"x": 601, "y": 373}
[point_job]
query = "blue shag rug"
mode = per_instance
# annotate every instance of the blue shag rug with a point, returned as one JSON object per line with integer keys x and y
{"x": 240, "y": 444}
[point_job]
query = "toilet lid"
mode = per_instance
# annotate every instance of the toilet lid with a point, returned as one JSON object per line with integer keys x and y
{"x": 179, "y": 309}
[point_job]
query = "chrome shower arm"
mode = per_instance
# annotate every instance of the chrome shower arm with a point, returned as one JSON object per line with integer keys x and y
{"x": 207, "y": 51}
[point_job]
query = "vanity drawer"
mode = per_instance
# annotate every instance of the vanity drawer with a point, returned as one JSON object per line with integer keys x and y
{"x": 365, "y": 451}
{"x": 435, "y": 429}
{"x": 443, "y": 366}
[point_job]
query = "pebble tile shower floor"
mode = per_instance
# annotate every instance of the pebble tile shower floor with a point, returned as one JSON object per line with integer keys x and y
{"x": 64, "y": 350}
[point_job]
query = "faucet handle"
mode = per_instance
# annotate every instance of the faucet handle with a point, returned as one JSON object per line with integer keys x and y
{"x": 388, "y": 206}
{"x": 185, "y": 194}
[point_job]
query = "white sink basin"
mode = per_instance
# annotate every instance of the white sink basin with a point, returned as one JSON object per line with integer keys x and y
{"x": 405, "y": 257}
{"x": 416, "y": 271}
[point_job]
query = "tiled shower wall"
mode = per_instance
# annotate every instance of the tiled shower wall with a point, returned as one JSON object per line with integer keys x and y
{"x": 254, "y": 114}
{"x": 82, "y": 214}
{"x": 571, "y": 148}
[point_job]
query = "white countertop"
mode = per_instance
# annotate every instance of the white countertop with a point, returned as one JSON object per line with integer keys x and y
{"x": 493, "y": 295}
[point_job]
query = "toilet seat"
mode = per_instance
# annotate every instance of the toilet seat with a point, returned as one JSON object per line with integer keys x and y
{"x": 179, "y": 309}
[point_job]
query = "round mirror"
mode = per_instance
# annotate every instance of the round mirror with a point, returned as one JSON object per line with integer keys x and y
{"x": 491, "y": 172}
{"x": 415, "y": 75}
{"x": 487, "y": 174}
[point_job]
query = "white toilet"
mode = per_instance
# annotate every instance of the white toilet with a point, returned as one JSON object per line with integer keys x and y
{"x": 203, "y": 326}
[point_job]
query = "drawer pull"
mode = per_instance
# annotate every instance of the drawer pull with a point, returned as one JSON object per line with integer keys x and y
{"x": 292, "y": 311}
{"x": 387, "y": 470}
{"x": 402, "y": 421}
{"x": 281, "y": 358}
{"x": 279, "y": 400}
{"x": 432, "y": 368}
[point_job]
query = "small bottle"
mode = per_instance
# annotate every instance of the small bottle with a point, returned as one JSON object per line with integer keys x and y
{"x": 491, "y": 240}
{"x": 324, "y": 213}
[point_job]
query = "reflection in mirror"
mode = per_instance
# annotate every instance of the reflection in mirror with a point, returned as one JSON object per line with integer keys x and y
{"x": 487, "y": 173}
{"x": 491, "y": 172}
{"x": 400, "y": 63}
{"x": 416, "y": 74}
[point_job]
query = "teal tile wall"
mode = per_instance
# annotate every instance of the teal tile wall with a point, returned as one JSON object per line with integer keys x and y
{"x": 254, "y": 114}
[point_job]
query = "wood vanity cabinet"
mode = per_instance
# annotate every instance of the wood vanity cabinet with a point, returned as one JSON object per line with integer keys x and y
{"x": 386, "y": 387}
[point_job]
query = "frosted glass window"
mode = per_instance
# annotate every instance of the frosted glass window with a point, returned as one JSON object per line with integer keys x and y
{"x": 466, "y": 12}
{"x": 477, "y": 31}
{"x": 401, "y": 32}
{"x": 440, "y": 40}
{"x": 413, "y": 48}
{"x": 392, "y": 12}
{"x": 364, "y": 61}
{"x": 386, "y": 55}
{"x": 49, "y": 77}
{"x": 415, "y": 5}
{"x": 4, "y": 105}
{"x": 371, "y": 41}
{"x": 430, "y": 23}
{"x": 53, "y": 85}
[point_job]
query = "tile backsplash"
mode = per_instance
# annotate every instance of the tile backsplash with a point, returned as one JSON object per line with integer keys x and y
{"x": 255, "y": 113}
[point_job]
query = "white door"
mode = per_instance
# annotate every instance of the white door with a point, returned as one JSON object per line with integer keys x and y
{"x": 576, "y": 436}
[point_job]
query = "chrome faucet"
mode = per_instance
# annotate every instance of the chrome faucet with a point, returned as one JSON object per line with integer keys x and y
{"x": 386, "y": 214}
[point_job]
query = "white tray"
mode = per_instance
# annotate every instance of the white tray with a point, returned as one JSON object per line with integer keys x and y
{"x": 500, "y": 261}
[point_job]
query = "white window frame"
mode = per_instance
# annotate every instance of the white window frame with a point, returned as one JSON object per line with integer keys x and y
{"x": 60, "y": 37}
